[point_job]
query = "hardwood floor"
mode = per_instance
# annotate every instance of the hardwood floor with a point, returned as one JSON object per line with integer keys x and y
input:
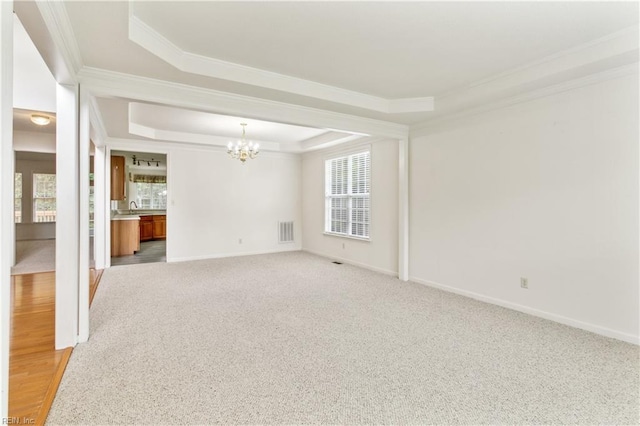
{"x": 35, "y": 367}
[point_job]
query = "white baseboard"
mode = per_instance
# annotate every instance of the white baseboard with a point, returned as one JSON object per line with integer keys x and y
{"x": 354, "y": 263}
{"x": 221, "y": 255}
{"x": 603, "y": 331}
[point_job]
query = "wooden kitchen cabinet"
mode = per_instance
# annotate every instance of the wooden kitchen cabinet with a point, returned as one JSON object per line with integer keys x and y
{"x": 159, "y": 227}
{"x": 117, "y": 178}
{"x": 146, "y": 228}
{"x": 125, "y": 237}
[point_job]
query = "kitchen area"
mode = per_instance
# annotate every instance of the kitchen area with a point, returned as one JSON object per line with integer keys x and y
{"x": 138, "y": 207}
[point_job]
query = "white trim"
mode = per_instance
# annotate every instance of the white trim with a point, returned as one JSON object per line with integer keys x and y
{"x": 603, "y": 331}
{"x": 403, "y": 209}
{"x": 327, "y": 140}
{"x": 352, "y": 237}
{"x": 109, "y": 83}
{"x": 6, "y": 196}
{"x": 352, "y": 262}
{"x": 193, "y": 138}
{"x": 99, "y": 131}
{"x": 590, "y": 51}
{"x": 165, "y": 147}
{"x": 101, "y": 205}
{"x": 68, "y": 217}
{"x": 222, "y": 255}
{"x": 54, "y": 14}
{"x": 423, "y": 128}
{"x": 154, "y": 42}
{"x": 84, "y": 148}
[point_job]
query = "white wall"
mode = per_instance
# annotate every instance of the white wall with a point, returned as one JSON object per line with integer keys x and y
{"x": 381, "y": 252}
{"x": 34, "y": 141}
{"x": 214, "y": 201}
{"x": 546, "y": 190}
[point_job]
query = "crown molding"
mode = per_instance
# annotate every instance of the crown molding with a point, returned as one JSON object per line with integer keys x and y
{"x": 109, "y": 83}
{"x": 424, "y": 128}
{"x": 612, "y": 51}
{"x": 166, "y": 147}
{"x": 193, "y": 138}
{"x": 327, "y": 140}
{"x": 54, "y": 14}
{"x": 597, "y": 60}
{"x": 99, "y": 131}
{"x": 151, "y": 40}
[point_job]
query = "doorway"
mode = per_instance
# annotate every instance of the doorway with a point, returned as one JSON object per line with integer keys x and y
{"x": 138, "y": 207}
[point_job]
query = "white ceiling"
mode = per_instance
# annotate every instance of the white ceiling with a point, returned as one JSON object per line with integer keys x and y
{"x": 386, "y": 49}
{"x": 22, "y": 121}
{"x": 34, "y": 87}
{"x": 353, "y": 58}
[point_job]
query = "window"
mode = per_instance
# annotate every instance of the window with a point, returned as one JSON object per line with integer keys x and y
{"x": 151, "y": 195}
{"x": 44, "y": 197}
{"x": 347, "y": 191}
{"x": 17, "y": 210}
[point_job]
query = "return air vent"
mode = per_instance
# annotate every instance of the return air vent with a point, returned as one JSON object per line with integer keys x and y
{"x": 285, "y": 232}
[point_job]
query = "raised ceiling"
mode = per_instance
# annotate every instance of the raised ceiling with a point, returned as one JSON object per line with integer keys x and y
{"x": 396, "y": 63}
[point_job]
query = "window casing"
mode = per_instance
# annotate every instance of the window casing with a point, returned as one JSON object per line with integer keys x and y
{"x": 17, "y": 209}
{"x": 347, "y": 195}
{"x": 44, "y": 197}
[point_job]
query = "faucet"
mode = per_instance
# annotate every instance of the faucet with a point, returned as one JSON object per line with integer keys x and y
{"x": 130, "y": 208}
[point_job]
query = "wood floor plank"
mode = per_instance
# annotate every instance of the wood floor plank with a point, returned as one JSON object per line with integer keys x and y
{"x": 35, "y": 367}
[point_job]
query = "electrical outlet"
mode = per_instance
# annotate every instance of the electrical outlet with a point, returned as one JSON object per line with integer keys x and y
{"x": 342, "y": 245}
{"x": 524, "y": 282}
{"x": 239, "y": 240}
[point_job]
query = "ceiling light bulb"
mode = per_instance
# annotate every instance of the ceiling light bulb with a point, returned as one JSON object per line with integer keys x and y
{"x": 40, "y": 120}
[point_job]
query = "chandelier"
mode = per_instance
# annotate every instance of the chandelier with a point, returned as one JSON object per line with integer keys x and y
{"x": 242, "y": 149}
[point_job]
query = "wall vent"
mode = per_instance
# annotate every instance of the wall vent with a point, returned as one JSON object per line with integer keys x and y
{"x": 285, "y": 232}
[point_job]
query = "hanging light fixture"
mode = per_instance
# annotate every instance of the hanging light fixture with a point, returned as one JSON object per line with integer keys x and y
{"x": 242, "y": 149}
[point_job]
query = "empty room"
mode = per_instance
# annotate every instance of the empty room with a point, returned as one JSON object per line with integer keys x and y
{"x": 329, "y": 213}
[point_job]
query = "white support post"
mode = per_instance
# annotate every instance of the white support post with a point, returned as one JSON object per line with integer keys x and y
{"x": 106, "y": 230}
{"x": 100, "y": 207}
{"x": 403, "y": 209}
{"x": 6, "y": 196}
{"x": 83, "y": 271}
{"x": 67, "y": 216}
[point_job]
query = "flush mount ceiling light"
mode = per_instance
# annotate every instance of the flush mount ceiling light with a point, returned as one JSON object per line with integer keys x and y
{"x": 242, "y": 149}
{"x": 40, "y": 120}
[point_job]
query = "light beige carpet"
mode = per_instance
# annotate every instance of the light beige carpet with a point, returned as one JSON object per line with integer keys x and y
{"x": 293, "y": 338}
{"x": 34, "y": 256}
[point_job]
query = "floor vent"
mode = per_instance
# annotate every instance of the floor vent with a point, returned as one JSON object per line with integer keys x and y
{"x": 285, "y": 232}
{"x": 336, "y": 262}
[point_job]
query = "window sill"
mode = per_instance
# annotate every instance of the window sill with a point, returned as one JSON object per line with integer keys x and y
{"x": 351, "y": 237}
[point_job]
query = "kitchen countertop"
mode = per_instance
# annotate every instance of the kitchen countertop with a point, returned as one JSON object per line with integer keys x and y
{"x": 126, "y": 217}
{"x": 135, "y": 214}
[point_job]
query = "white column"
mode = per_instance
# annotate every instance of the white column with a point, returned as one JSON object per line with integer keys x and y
{"x": 83, "y": 272}
{"x": 67, "y": 216}
{"x": 6, "y": 195}
{"x": 403, "y": 209}
{"x": 100, "y": 206}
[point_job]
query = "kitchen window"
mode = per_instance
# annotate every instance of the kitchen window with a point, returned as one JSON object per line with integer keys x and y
{"x": 347, "y": 195}
{"x": 44, "y": 197}
{"x": 151, "y": 195}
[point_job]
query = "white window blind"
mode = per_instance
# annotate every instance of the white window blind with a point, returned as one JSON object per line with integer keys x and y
{"x": 347, "y": 191}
